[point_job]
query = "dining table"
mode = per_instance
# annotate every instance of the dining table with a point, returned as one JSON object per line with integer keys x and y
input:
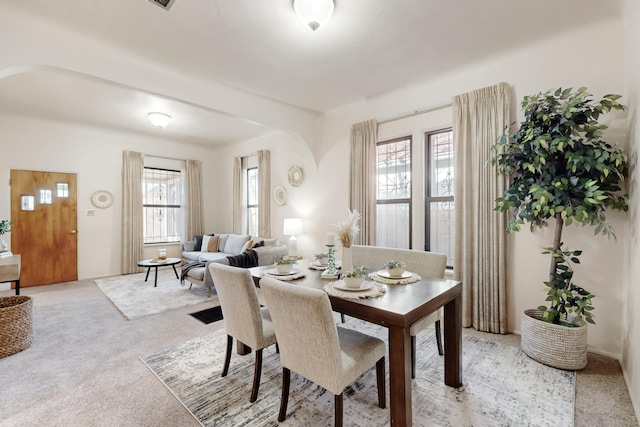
{"x": 397, "y": 309}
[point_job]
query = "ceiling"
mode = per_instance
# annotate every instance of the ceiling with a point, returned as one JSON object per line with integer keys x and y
{"x": 258, "y": 46}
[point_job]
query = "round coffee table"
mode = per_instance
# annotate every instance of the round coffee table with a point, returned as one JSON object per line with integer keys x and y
{"x": 150, "y": 264}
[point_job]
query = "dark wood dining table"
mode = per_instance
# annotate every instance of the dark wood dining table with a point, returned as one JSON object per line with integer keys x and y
{"x": 397, "y": 310}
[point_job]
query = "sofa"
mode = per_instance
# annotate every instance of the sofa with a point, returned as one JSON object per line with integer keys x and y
{"x": 229, "y": 249}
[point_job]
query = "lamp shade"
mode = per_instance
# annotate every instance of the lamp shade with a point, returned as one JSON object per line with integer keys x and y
{"x": 314, "y": 13}
{"x": 292, "y": 226}
{"x": 159, "y": 120}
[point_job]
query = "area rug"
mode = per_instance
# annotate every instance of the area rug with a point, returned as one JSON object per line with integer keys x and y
{"x": 208, "y": 315}
{"x": 501, "y": 387}
{"x": 136, "y": 298}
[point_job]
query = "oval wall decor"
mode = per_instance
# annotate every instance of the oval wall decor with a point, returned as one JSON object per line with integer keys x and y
{"x": 295, "y": 175}
{"x": 279, "y": 195}
{"x": 102, "y": 199}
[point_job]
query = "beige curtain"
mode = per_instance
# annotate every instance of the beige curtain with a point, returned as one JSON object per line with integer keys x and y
{"x": 362, "y": 191}
{"x": 264, "y": 192}
{"x": 194, "y": 211}
{"x": 132, "y": 235}
{"x": 237, "y": 195}
{"x": 479, "y": 119}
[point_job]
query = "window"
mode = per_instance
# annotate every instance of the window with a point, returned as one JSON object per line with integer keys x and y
{"x": 252, "y": 201}
{"x": 439, "y": 208}
{"x": 393, "y": 172}
{"x": 162, "y": 196}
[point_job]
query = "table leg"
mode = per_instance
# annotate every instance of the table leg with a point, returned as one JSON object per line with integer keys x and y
{"x": 18, "y": 287}
{"x": 175, "y": 271}
{"x": 155, "y": 280}
{"x": 147, "y": 276}
{"x": 400, "y": 376}
{"x": 453, "y": 342}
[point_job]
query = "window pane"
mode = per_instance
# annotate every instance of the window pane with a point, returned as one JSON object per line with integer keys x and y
{"x": 394, "y": 169}
{"x": 252, "y": 219}
{"x": 162, "y": 197}
{"x": 441, "y": 163}
{"x": 252, "y": 186}
{"x": 393, "y": 225}
{"x": 441, "y": 229}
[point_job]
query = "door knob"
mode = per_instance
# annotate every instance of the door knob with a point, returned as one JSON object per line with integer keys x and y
{"x": 73, "y": 231}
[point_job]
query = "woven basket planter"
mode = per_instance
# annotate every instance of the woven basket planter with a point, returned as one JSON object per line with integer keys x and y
{"x": 557, "y": 346}
{"x": 16, "y": 324}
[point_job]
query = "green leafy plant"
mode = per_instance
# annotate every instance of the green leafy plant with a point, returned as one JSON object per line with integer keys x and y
{"x": 355, "y": 272}
{"x": 394, "y": 264}
{"x": 5, "y": 226}
{"x": 561, "y": 169}
{"x": 318, "y": 257}
{"x": 286, "y": 261}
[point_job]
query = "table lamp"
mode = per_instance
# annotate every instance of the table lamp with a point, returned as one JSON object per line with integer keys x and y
{"x": 292, "y": 227}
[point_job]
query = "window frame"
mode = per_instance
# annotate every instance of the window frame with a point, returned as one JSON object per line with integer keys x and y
{"x": 428, "y": 178}
{"x": 178, "y": 207}
{"x": 247, "y": 205}
{"x": 397, "y": 201}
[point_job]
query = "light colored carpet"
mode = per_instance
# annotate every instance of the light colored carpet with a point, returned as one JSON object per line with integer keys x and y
{"x": 136, "y": 298}
{"x": 502, "y": 387}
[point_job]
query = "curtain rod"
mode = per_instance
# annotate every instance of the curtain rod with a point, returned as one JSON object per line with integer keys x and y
{"x": 415, "y": 113}
{"x": 164, "y": 157}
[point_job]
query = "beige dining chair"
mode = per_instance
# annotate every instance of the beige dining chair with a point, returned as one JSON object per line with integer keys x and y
{"x": 423, "y": 263}
{"x": 244, "y": 319}
{"x": 312, "y": 346}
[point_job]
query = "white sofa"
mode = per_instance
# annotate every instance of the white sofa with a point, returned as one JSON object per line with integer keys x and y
{"x": 232, "y": 249}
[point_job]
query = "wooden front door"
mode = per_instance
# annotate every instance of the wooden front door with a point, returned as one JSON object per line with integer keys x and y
{"x": 44, "y": 229}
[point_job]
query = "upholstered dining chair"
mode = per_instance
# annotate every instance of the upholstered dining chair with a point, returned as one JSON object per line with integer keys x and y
{"x": 244, "y": 319}
{"x": 312, "y": 346}
{"x": 425, "y": 264}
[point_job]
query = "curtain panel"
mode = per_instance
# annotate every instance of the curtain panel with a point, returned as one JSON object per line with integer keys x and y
{"x": 264, "y": 192}
{"x": 480, "y": 117}
{"x": 194, "y": 211}
{"x": 362, "y": 190}
{"x": 132, "y": 221}
{"x": 237, "y": 195}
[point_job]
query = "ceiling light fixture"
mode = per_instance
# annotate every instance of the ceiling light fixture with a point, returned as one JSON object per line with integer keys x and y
{"x": 159, "y": 120}
{"x": 314, "y": 13}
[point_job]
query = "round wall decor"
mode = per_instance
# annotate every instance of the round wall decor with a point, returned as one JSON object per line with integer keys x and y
{"x": 102, "y": 199}
{"x": 295, "y": 176}
{"x": 279, "y": 195}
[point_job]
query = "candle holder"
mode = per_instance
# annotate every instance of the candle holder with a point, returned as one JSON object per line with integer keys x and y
{"x": 331, "y": 260}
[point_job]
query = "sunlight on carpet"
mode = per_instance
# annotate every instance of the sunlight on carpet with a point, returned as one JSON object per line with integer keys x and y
{"x": 501, "y": 387}
{"x": 136, "y": 298}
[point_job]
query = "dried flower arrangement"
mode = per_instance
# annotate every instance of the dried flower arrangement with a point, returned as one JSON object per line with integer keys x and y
{"x": 348, "y": 228}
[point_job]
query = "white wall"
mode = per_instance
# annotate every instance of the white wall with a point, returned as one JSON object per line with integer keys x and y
{"x": 631, "y": 295}
{"x": 95, "y": 155}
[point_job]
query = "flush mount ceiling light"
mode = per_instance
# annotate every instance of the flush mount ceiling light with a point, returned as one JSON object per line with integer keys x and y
{"x": 314, "y": 13}
{"x": 159, "y": 120}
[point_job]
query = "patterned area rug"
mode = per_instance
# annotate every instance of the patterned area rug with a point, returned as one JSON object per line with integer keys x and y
{"x": 136, "y": 298}
{"x": 502, "y": 387}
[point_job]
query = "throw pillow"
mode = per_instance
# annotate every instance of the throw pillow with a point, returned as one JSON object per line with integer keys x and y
{"x": 197, "y": 243}
{"x": 222, "y": 243}
{"x": 213, "y": 244}
{"x": 189, "y": 246}
{"x": 246, "y": 246}
{"x": 205, "y": 243}
{"x": 235, "y": 243}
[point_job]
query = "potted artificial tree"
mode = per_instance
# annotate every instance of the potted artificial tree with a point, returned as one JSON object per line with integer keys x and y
{"x": 561, "y": 170}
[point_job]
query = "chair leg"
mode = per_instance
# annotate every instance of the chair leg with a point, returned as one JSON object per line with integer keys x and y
{"x": 257, "y": 373}
{"x": 209, "y": 293}
{"x": 439, "y": 338}
{"x": 413, "y": 356}
{"x": 342, "y": 317}
{"x": 190, "y": 285}
{"x": 284, "y": 399}
{"x": 381, "y": 380}
{"x": 338, "y": 409}
{"x": 227, "y": 356}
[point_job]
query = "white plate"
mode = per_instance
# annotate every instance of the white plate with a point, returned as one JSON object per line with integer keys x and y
{"x": 341, "y": 285}
{"x": 385, "y": 274}
{"x": 275, "y": 272}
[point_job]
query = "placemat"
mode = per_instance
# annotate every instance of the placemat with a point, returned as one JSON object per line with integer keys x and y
{"x": 376, "y": 291}
{"x": 298, "y": 275}
{"x": 377, "y": 278}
